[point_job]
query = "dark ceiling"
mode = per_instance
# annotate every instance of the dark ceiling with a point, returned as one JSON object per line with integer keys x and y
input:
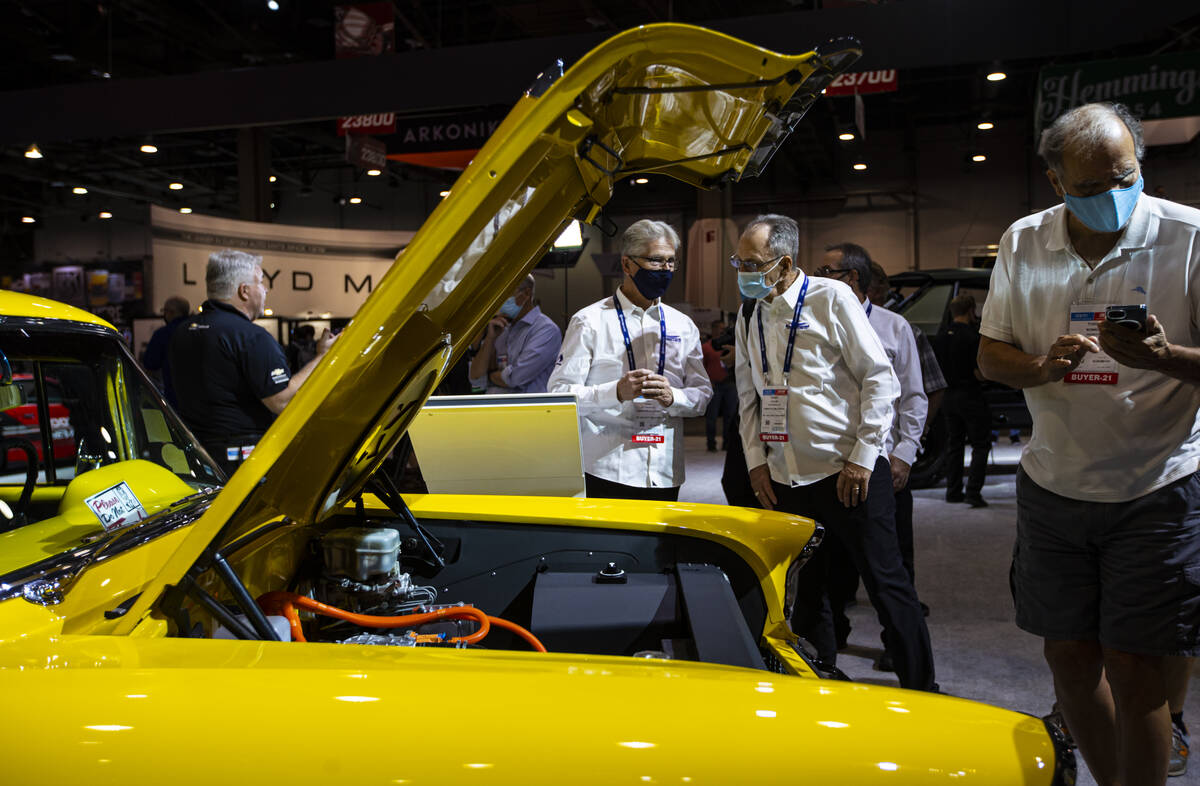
{"x": 88, "y": 81}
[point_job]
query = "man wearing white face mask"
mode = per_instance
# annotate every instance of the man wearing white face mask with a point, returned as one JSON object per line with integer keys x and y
{"x": 519, "y": 347}
{"x": 636, "y": 369}
{"x": 815, "y": 399}
{"x": 1106, "y": 566}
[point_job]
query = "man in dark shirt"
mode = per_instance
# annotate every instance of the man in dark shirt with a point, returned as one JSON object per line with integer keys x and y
{"x": 155, "y": 359}
{"x": 231, "y": 376}
{"x": 967, "y": 414}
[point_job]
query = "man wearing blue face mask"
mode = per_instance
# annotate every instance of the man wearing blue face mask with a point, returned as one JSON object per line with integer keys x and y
{"x": 636, "y": 368}
{"x": 1106, "y": 566}
{"x": 519, "y": 347}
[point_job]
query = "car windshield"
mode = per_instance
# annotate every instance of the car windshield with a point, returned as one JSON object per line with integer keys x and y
{"x": 76, "y": 403}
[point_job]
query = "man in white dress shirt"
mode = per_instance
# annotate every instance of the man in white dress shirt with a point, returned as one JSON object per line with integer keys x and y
{"x": 815, "y": 392}
{"x": 636, "y": 368}
{"x": 1106, "y": 566}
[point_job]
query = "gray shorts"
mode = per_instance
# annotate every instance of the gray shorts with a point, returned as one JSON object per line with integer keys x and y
{"x": 1125, "y": 574}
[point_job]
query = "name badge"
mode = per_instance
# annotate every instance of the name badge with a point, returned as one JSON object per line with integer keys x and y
{"x": 774, "y": 415}
{"x": 1096, "y": 368}
{"x": 649, "y": 416}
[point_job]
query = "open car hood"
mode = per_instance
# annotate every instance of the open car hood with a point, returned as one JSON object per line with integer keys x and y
{"x": 671, "y": 99}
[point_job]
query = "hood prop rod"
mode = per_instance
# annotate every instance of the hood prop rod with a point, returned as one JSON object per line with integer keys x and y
{"x": 386, "y": 490}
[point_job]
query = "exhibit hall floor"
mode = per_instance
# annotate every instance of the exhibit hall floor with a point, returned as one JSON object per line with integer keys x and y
{"x": 962, "y": 561}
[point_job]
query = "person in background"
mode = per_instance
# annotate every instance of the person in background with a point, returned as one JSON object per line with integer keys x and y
{"x": 968, "y": 418}
{"x": 519, "y": 346}
{"x": 636, "y": 369}
{"x": 724, "y": 400}
{"x": 156, "y": 358}
{"x": 815, "y": 393}
{"x": 851, "y": 264}
{"x": 302, "y": 348}
{"x": 1108, "y": 494}
{"x": 230, "y": 375}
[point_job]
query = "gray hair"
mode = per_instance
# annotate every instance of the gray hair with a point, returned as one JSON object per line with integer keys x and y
{"x": 783, "y": 236}
{"x": 227, "y": 270}
{"x": 527, "y": 285}
{"x": 1086, "y": 127}
{"x": 642, "y": 233}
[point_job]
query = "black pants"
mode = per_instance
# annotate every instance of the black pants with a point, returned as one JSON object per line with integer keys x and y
{"x": 226, "y": 450}
{"x": 968, "y": 419}
{"x": 724, "y": 405}
{"x": 607, "y": 489}
{"x": 868, "y": 533}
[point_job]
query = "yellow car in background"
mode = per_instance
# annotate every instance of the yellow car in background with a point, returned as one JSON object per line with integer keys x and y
{"x": 304, "y": 622}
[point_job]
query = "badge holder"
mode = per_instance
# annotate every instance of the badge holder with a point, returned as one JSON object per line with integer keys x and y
{"x": 1096, "y": 368}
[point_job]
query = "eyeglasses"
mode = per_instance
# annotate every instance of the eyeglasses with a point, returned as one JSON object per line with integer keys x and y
{"x": 825, "y": 271}
{"x": 753, "y": 265}
{"x": 656, "y": 263}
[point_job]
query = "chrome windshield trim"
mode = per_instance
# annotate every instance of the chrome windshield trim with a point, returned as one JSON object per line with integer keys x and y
{"x": 57, "y": 573}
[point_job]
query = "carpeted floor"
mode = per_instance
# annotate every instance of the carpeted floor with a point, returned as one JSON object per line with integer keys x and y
{"x": 962, "y": 560}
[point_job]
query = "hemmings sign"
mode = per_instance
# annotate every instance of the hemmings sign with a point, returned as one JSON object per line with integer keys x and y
{"x": 1152, "y": 87}
{"x": 864, "y": 82}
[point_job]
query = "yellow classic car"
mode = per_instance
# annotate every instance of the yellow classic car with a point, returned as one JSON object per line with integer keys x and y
{"x": 303, "y": 622}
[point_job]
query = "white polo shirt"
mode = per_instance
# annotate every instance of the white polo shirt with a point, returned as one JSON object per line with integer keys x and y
{"x": 593, "y": 359}
{"x": 1105, "y": 443}
{"x": 896, "y": 335}
{"x": 840, "y": 389}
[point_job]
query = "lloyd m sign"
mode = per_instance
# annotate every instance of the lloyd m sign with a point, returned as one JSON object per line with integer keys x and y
{"x": 310, "y": 270}
{"x": 1154, "y": 88}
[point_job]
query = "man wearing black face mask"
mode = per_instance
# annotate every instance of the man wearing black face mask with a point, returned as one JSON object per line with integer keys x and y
{"x": 1106, "y": 567}
{"x": 636, "y": 368}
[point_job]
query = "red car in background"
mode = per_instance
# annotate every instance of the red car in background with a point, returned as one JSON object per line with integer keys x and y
{"x": 22, "y": 422}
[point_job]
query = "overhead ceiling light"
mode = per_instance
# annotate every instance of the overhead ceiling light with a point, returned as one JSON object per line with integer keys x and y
{"x": 28, "y": 220}
{"x": 845, "y": 136}
{"x": 986, "y": 125}
{"x": 997, "y": 76}
{"x": 273, "y": 5}
{"x": 443, "y": 193}
{"x": 33, "y": 151}
{"x": 185, "y": 210}
{"x": 268, "y": 312}
{"x": 641, "y": 181}
{"x": 149, "y": 147}
{"x": 176, "y": 186}
{"x": 374, "y": 172}
{"x": 105, "y": 214}
{"x": 859, "y": 167}
{"x": 356, "y": 200}
{"x": 272, "y": 179}
{"x": 79, "y": 190}
{"x": 272, "y": 205}
{"x": 978, "y": 157}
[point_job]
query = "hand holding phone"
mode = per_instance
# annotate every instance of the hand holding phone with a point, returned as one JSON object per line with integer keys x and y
{"x": 1129, "y": 317}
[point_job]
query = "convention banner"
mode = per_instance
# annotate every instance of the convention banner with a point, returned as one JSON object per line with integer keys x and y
{"x": 1163, "y": 86}
{"x": 312, "y": 271}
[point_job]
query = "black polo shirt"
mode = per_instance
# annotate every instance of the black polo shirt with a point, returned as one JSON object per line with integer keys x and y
{"x": 223, "y": 366}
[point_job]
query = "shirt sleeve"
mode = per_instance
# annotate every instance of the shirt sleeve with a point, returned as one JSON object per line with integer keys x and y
{"x": 538, "y": 353}
{"x": 931, "y": 371}
{"x": 263, "y": 365}
{"x": 693, "y": 397}
{"x": 571, "y": 372}
{"x": 748, "y": 423}
{"x": 996, "y": 322}
{"x": 912, "y": 406}
{"x": 868, "y": 363}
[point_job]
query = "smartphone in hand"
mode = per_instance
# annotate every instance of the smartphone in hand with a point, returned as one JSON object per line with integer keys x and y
{"x": 1130, "y": 317}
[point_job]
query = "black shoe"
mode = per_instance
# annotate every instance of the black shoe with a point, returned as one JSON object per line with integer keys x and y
{"x": 976, "y": 501}
{"x": 955, "y": 497}
{"x": 1015, "y": 440}
{"x": 884, "y": 663}
{"x": 712, "y": 447}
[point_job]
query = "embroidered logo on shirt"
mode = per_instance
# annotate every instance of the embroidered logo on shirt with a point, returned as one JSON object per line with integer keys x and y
{"x": 1139, "y": 289}
{"x": 673, "y": 338}
{"x": 279, "y": 375}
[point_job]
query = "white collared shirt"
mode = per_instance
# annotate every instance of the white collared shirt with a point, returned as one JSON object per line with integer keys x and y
{"x": 896, "y": 335}
{"x": 1107, "y": 443}
{"x": 840, "y": 389}
{"x": 593, "y": 359}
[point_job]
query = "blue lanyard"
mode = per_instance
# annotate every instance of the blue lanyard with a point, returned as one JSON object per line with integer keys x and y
{"x": 868, "y": 309}
{"x": 662, "y": 337}
{"x": 762, "y": 340}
